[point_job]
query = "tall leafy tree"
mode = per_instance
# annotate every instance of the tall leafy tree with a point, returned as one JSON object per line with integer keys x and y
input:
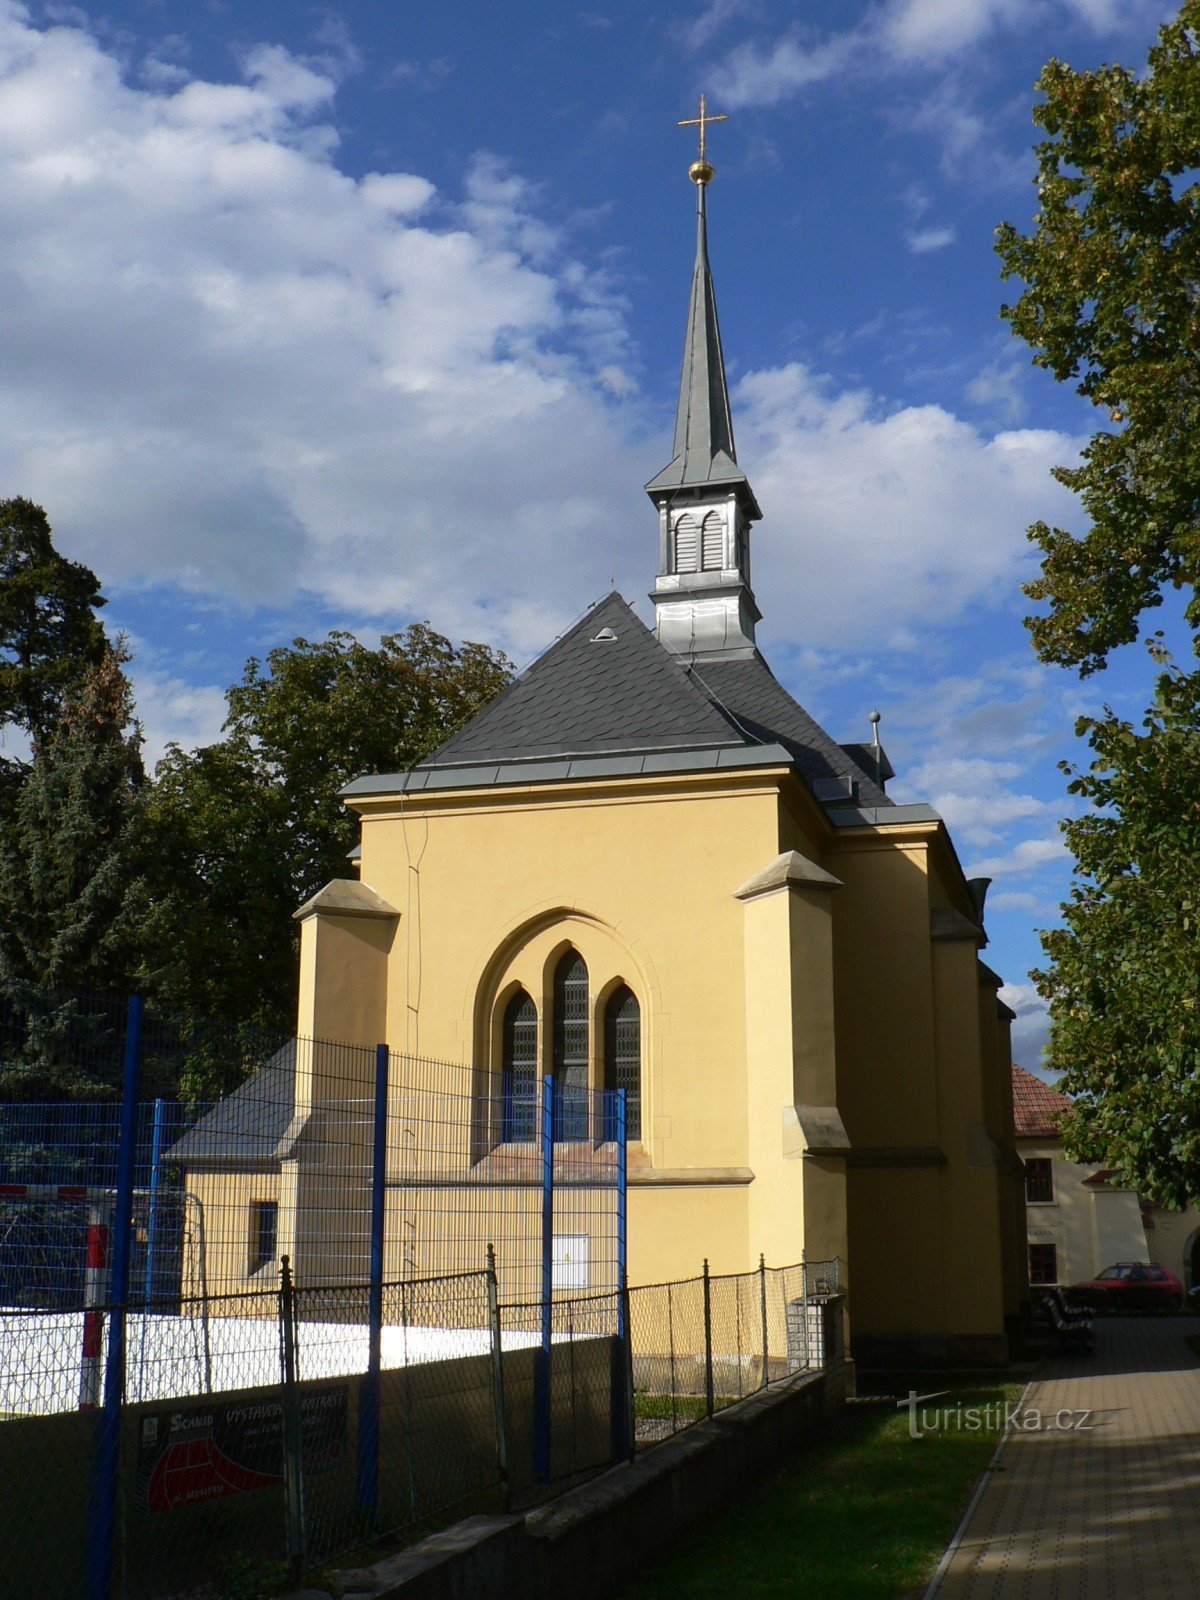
{"x": 246, "y": 829}
{"x": 49, "y": 632}
{"x": 1111, "y": 303}
{"x": 73, "y": 894}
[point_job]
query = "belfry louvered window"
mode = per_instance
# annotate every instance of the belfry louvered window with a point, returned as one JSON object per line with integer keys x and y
{"x": 571, "y": 1048}
{"x": 687, "y": 542}
{"x": 712, "y": 542}
{"x": 518, "y": 1076}
{"x": 623, "y": 1058}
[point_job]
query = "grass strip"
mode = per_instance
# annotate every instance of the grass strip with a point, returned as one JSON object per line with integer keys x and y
{"x": 863, "y": 1514}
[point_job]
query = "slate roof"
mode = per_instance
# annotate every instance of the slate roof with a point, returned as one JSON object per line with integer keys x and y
{"x": 584, "y": 697}
{"x": 608, "y": 697}
{"x": 766, "y": 712}
{"x": 248, "y": 1124}
{"x": 1037, "y": 1108}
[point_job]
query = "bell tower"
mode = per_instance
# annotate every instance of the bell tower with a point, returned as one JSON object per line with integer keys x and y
{"x": 704, "y": 606}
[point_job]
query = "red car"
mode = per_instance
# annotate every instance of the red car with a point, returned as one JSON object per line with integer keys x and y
{"x": 1130, "y": 1286}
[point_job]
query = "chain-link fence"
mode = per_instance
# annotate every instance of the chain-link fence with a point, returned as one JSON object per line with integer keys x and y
{"x": 703, "y": 1343}
{"x": 310, "y": 1294}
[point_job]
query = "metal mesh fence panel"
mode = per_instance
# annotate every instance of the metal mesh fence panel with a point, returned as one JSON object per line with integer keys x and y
{"x": 388, "y": 1380}
{"x": 760, "y": 1327}
{"x": 467, "y": 1168}
{"x": 669, "y": 1362}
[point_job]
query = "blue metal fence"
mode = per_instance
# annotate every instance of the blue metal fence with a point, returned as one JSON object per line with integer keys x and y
{"x": 132, "y": 1232}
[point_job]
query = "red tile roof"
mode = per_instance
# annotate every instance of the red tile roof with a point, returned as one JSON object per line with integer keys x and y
{"x": 1037, "y": 1108}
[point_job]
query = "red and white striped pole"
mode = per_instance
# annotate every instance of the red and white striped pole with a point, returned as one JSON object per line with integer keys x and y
{"x": 95, "y": 1282}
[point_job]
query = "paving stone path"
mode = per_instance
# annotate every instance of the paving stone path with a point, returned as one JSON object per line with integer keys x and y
{"x": 1107, "y": 1508}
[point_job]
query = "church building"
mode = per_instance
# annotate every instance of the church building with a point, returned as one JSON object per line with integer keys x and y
{"x": 644, "y": 865}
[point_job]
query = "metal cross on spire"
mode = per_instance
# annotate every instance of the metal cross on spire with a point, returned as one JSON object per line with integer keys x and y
{"x": 701, "y": 171}
{"x": 702, "y": 122}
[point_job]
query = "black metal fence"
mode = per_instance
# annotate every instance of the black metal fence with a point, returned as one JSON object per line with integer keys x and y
{"x": 700, "y": 1344}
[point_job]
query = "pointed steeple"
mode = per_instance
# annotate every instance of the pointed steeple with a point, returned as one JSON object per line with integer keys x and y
{"x": 703, "y": 602}
{"x": 704, "y": 451}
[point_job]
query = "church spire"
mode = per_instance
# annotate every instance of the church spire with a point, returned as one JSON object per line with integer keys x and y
{"x": 702, "y": 598}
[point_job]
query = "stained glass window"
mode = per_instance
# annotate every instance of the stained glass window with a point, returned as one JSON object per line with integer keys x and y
{"x": 518, "y": 1117}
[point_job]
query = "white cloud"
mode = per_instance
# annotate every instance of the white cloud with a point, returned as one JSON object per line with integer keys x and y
{"x": 973, "y": 796}
{"x": 756, "y": 75}
{"x": 1031, "y": 1029}
{"x": 230, "y": 367}
{"x": 876, "y": 520}
{"x": 170, "y": 709}
{"x": 922, "y": 240}
{"x": 901, "y": 35}
{"x": 998, "y": 387}
{"x": 1022, "y": 998}
{"x": 1022, "y": 858}
{"x": 1014, "y": 900}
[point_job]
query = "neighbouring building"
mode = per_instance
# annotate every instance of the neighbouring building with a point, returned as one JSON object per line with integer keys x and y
{"x": 1080, "y": 1219}
{"x": 645, "y": 865}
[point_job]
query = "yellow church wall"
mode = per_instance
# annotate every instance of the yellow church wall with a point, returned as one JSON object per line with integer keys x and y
{"x": 970, "y": 1196}
{"x": 883, "y": 976}
{"x": 351, "y": 954}
{"x": 752, "y": 1009}
{"x": 493, "y": 889}
{"x": 217, "y": 1260}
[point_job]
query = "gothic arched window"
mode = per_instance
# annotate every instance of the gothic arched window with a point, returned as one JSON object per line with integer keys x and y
{"x": 712, "y": 542}
{"x": 571, "y": 1050}
{"x": 623, "y": 1056}
{"x": 687, "y": 542}
{"x": 518, "y": 1073}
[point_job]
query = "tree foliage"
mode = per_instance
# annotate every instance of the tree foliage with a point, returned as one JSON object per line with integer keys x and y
{"x": 1111, "y": 303}
{"x": 73, "y": 891}
{"x": 247, "y": 829}
{"x": 49, "y": 633}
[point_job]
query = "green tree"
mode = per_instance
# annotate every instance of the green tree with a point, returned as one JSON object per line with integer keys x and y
{"x": 73, "y": 894}
{"x": 49, "y": 632}
{"x": 247, "y": 829}
{"x": 1111, "y": 302}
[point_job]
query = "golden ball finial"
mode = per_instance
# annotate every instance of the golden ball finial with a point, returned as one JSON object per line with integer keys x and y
{"x": 701, "y": 172}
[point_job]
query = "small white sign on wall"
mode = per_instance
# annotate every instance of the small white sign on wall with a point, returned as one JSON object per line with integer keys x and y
{"x": 569, "y": 1261}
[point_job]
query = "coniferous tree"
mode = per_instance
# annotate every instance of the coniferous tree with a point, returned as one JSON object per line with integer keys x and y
{"x": 73, "y": 891}
{"x": 49, "y": 632}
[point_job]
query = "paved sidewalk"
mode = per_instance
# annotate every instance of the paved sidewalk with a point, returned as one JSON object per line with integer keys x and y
{"x": 1110, "y": 1508}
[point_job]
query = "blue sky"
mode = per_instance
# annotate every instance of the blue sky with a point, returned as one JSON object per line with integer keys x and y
{"x": 320, "y": 316}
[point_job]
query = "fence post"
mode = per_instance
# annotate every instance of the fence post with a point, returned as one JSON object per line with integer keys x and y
{"x": 804, "y": 1303}
{"x": 293, "y": 1442}
{"x": 623, "y": 1416}
{"x": 368, "y": 1395}
{"x": 497, "y": 1342}
{"x": 541, "y": 1420}
{"x": 708, "y": 1371}
{"x": 152, "y": 1223}
{"x": 106, "y": 1462}
{"x": 762, "y": 1292}
{"x": 95, "y": 1292}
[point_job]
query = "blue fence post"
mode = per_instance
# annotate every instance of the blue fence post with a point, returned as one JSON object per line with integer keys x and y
{"x": 152, "y": 1224}
{"x": 106, "y": 1461}
{"x": 541, "y": 1391}
{"x": 368, "y": 1401}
